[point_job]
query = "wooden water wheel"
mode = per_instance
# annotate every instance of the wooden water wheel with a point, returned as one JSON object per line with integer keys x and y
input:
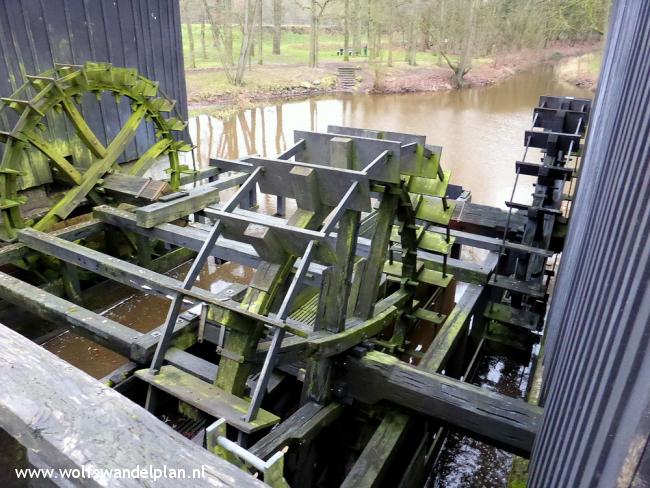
{"x": 53, "y": 142}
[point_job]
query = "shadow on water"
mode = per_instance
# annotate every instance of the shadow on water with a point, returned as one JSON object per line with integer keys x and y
{"x": 466, "y": 462}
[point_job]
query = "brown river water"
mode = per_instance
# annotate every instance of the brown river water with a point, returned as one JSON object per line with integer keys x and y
{"x": 481, "y": 131}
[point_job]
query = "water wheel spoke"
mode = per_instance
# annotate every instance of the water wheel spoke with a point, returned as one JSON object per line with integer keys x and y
{"x": 149, "y": 157}
{"x": 56, "y": 157}
{"x": 83, "y": 130}
{"x": 74, "y": 196}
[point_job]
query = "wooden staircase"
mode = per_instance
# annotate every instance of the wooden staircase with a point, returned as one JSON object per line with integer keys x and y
{"x": 347, "y": 77}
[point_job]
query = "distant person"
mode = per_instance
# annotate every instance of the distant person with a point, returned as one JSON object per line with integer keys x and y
{"x": 365, "y": 50}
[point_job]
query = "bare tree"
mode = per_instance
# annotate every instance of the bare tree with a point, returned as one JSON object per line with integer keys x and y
{"x": 204, "y": 51}
{"x": 190, "y": 34}
{"x": 260, "y": 26}
{"x": 250, "y": 9}
{"x": 277, "y": 26}
{"x": 346, "y": 31}
{"x": 354, "y": 27}
{"x": 234, "y": 74}
{"x": 316, "y": 9}
{"x": 464, "y": 64}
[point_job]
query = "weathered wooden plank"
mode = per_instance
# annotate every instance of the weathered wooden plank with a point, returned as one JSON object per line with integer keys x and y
{"x": 189, "y": 363}
{"x": 302, "y": 425}
{"x": 374, "y": 460}
{"x": 207, "y": 398}
{"x": 133, "y": 275}
{"x": 517, "y": 286}
{"x": 196, "y": 199}
{"x": 443, "y": 344}
{"x": 73, "y": 421}
{"x": 504, "y": 421}
{"x": 485, "y": 220}
{"x": 512, "y": 316}
{"x": 13, "y": 252}
{"x": 161, "y": 212}
{"x": 50, "y": 307}
{"x": 134, "y": 188}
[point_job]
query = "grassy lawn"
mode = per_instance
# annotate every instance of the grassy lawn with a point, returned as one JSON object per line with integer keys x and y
{"x": 294, "y": 49}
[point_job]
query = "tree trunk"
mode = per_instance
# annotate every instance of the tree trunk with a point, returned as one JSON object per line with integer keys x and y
{"x": 204, "y": 51}
{"x": 441, "y": 32}
{"x": 413, "y": 40}
{"x": 277, "y": 26}
{"x": 354, "y": 21}
{"x": 465, "y": 62}
{"x": 250, "y": 8}
{"x": 313, "y": 37}
{"x": 260, "y": 25}
{"x": 190, "y": 38}
{"x": 227, "y": 28}
{"x": 390, "y": 46}
{"x": 346, "y": 31}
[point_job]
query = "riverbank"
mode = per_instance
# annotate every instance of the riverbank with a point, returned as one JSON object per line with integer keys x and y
{"x": 582, "y": 71}
{"x": 209, "y": 92}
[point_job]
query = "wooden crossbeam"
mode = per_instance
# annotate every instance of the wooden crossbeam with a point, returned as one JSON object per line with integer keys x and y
{"x": 506, "y": 422}
{"x": 363, "y": 152}
{"x": 190, "y": 201}
{"x": 277, "y": 180}
{"x": 373, "y": 462}
{"x": 68, "y": 418}
{"x": 303, "y": 425}
{"x": 13, "y": 252}
{"x": 452, "y": 329}
{"x": 206, "y": 397}
{"x": 133, "y": 275}
{"x": 103, "y": 330}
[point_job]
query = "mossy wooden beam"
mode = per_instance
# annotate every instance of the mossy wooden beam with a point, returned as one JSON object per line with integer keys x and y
{"x": 373, "y": 462}
{"x": 265, "y": 286}
{"x": 67, "y": 417}
{"x": 74, "y": 196}
{"x": 56, "y": 157}
{"x": 82, "y": 128}
{"x": 134, "y": 275}
{"x": 376, "y": 256}
{"x": 149, "y": 157}
{"x": 452, "y": 329}
{"x": 325, "y": 344}
{"x": 206, "y": 397}
{"x": 302, "y": 426}
{"x": 13, "y": 252}
{"x": 105, "y": 331}
{"x": 504, "y": 421}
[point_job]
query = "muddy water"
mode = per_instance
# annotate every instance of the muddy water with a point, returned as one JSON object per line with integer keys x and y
{"x": 481, "y": 130}
{"x": 140, "y": 311}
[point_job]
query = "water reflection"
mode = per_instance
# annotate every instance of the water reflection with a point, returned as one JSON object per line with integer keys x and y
{"x": 466, "y": 462}
{"x": 481, "y": 130}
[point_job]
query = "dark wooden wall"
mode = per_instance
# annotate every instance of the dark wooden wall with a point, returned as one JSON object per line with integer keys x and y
{"x": 144, "y": 34}
{"x": 596, "y": 395}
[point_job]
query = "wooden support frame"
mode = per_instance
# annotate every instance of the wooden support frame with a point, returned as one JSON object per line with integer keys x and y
{"x": 505, "y": 421}
{"x": 82, "y": 419}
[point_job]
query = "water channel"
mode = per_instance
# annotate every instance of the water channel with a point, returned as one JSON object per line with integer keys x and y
{"x": 481, "y": 131}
